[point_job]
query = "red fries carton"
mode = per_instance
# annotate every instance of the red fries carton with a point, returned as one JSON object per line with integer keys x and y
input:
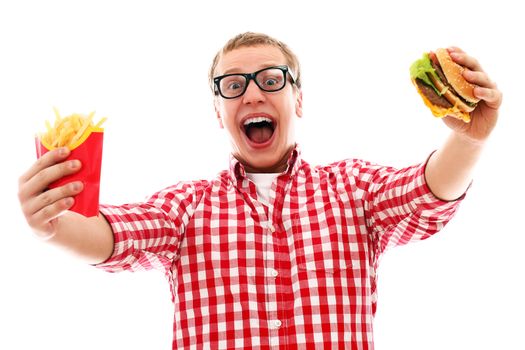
{"x": 85, "y": 140}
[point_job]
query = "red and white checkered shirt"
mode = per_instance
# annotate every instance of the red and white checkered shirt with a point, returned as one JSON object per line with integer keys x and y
{"x": 299, "y": 273}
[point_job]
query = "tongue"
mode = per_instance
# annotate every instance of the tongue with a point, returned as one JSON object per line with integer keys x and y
{"x": 259, "y": 134}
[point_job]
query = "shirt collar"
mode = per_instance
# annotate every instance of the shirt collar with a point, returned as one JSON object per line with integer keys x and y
{"x": 238, "y": 172}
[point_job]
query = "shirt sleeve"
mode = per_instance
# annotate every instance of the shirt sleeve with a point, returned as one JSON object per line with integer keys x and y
{"x": 400, "y": 207}
{"x": 147, "y": 235}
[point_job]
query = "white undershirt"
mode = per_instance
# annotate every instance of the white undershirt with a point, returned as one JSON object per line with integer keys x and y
{"x": 263, "y": 183}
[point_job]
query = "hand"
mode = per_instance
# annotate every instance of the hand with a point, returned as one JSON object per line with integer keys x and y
{"x": 42, "y": 206}
{"x": 484, "y": 117}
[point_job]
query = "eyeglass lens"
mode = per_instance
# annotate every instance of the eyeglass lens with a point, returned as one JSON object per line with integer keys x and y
{"x": 271, "y": 79}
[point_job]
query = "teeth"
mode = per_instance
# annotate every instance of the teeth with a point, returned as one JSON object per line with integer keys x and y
{"x": 257, "y": 120}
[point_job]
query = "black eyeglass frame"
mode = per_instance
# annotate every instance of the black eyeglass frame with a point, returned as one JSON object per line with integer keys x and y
{"x": 251, "y": 76}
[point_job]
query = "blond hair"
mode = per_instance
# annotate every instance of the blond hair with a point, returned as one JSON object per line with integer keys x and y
{"x": 249, "y": 39}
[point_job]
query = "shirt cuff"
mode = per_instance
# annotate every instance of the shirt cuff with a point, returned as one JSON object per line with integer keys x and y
{"x": 426, "y": 202}
{"x": 116, "y": 262}
{"x": 430, "y": 190}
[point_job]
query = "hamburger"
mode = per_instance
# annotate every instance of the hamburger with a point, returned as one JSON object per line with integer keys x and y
{"x": 439, "y": 80}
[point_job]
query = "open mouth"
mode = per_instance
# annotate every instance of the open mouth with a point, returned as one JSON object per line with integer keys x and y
{"x": 259, "y": 129}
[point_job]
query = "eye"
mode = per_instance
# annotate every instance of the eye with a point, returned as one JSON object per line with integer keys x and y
{"x": 271, "y": 81}
{"x": 234, "y": 85}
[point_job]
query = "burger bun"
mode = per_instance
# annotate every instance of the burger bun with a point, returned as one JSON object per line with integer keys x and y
{"x": 454, "y": 74}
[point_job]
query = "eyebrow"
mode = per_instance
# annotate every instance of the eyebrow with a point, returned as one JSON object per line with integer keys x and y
{"x": 238, "y": 70}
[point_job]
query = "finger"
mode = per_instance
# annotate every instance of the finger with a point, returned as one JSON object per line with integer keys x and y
{"x": 46, "y": 160}
{"x": 465, "y": 60}
{"x": 41, "y": 220}
{"x": 52, "y": 196}
{"x": 451, "y": 49}
{"x": 492, "y": 97}
{"x": 42, "y": 179}
{"x": 478, "y": 78}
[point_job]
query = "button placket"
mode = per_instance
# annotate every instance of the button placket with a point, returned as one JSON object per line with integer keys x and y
{"x": 270, "y": 284}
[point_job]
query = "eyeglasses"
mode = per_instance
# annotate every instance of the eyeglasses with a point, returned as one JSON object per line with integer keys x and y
{"x": 269, "y": 79}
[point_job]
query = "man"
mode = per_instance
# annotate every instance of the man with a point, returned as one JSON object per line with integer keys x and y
{"x": 273, "y": 251}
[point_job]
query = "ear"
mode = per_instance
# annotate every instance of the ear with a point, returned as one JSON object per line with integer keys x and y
{"x": 299, "y": 104}
{"x": 217, "y": 112}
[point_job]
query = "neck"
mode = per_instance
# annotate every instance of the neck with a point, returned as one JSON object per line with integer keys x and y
{"x": 279, "y": 167}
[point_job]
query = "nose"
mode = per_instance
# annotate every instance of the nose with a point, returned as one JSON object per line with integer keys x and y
{"x": 253, "y": 94}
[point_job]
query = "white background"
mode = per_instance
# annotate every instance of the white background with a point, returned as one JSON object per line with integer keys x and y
{"x": 143, "y": 64}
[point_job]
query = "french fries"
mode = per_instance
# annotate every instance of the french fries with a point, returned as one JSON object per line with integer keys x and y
{"x": 69, "y": 131}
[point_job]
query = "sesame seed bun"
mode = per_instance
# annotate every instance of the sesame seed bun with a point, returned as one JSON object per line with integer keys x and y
{"x": 454, "y": 74}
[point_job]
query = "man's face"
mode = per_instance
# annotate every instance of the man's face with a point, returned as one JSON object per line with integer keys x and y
{"x": 260, "y": 124}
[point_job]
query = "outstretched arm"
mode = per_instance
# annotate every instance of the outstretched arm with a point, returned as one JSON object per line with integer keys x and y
{"x": 449, "y": 169}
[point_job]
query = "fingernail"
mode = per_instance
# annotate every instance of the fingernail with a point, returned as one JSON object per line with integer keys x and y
{"x": 75, "y": 186}
{"x": 63, "y": 151}
{"x": 482, "y": 93}
{"x": 468, "y": 74}
{"x": 74, "y": 164}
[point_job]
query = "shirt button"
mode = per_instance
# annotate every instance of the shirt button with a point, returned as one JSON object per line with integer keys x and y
{"x": 271, "y": 228}
{"x": 277, "y": 323}
{"x": 274, "y": 272}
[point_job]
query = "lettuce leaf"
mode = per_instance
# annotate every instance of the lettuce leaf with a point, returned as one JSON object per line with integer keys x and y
{"x": 420, "y": 70}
